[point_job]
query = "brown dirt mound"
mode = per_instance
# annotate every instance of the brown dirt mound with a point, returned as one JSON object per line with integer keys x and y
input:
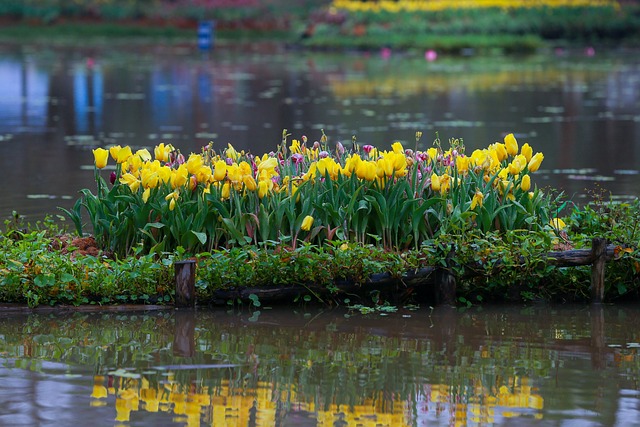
{"x": 76, "y": 246}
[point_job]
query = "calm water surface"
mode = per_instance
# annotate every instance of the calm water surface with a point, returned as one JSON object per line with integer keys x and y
{"x": 536, "y": 366}
{"x": 57, "y": 103}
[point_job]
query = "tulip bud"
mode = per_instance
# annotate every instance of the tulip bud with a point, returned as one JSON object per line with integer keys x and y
{"x": 307, "y": 222}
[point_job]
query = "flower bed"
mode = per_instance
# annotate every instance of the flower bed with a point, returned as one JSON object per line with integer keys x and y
{"x": 310, "y": 193}
{"x": 316, "y": 220}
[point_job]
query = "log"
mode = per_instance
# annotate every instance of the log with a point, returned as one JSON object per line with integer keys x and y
{"x": 577, "y": 257}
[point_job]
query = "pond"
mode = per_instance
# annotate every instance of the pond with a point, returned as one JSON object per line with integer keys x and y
{"x": 581, "y": 109}
{"x": 304, "y": 366}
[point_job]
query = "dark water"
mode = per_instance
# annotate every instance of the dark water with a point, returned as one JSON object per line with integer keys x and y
{"x": 492, "y": 366}
{"x": 56, "y": 103}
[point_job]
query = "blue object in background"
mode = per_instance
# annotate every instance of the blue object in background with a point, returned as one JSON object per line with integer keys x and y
{"x": 206, "y": 34}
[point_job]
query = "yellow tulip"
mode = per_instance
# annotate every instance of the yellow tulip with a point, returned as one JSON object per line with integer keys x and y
{"x": 146, "y": 194}
{"x": 263, "y": 188}
{"x": 511, "y": 144}
{"x": 225, "y": 193}
{"x": 219, "y": 170}
{"x": 525, "y": 184}
{"x": 517, "y": 164}
{"x": 307, "y": 222}
{"x": 397, "y": 148}
{"x": 462, "y": 164}
{"x": 194, "y": 163}
{"x": 193, "y": 182}
{"x": 179, "y": 176}
{"x": 367, "y": 170}
{"x": 445, "y": 183}
{"x": 131, "y": 181}
{"x": 113, "y": 151}
{"x": 481, "y": 159}
{"x": 233, "y": 173}
{"x": 385, "y": 166}
{"x": 231, "y": 152}
{"x": 500, "y": 150}
{"x": 503, "y": 174}
{"x": 557, "y": 223}
{"x": 399, "y": 161}
{"x": 204, "y": 174}
{"x": 143, "y": 154}
{"x": 100, "y": 157}
{"x": 123, "y": 154}
{"x": 249, "y": 182}
{"x": 435, "y": 182}
{"x": 295, "y": 146}
{"x": 477, "y": 200}
{"x": 161, "y": 152}
{"x": 534, "y": 163}
{"x": 149, "y": 178}
{"x": 164, "y": 174}
{"x": 527, "y": 151}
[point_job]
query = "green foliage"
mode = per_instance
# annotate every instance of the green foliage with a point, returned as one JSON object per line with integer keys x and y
{"x": 34, "y": 272}
{"x": 456, "y": 29}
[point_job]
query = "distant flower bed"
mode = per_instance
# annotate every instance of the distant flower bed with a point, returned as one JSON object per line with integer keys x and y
{"x": 436, "y": 5}
{"x": 311, "y": 192}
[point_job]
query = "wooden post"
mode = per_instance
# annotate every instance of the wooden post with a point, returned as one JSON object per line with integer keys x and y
{"x": 185, "y": 283}
{"x": 599, "y": 254}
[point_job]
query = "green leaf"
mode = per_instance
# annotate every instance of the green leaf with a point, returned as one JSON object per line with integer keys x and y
{"x": 202, "y": 237}
{"x": 42, "y": 280}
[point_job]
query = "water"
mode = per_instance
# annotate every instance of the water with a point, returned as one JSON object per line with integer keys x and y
{"x": 491, "y": 366}
{"x": 58, "y": 102}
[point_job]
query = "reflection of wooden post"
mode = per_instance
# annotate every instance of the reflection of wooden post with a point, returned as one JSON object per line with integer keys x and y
{"x": 184, "y": 343}
{"x": 445, "y": 287}
{"x": 597, "y": 336}
{"x": 446, "y": 322}
{"x": 185, "y": 283}
{"x": 599, "y": 252}
{"x": 445, "y": 282}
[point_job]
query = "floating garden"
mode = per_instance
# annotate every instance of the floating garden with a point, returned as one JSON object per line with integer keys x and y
{"x": 316, "y": 215}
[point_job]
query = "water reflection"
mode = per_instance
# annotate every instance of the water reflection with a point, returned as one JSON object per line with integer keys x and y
{"x": 582, "y": 112}
{"x": 534, "y": 366}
